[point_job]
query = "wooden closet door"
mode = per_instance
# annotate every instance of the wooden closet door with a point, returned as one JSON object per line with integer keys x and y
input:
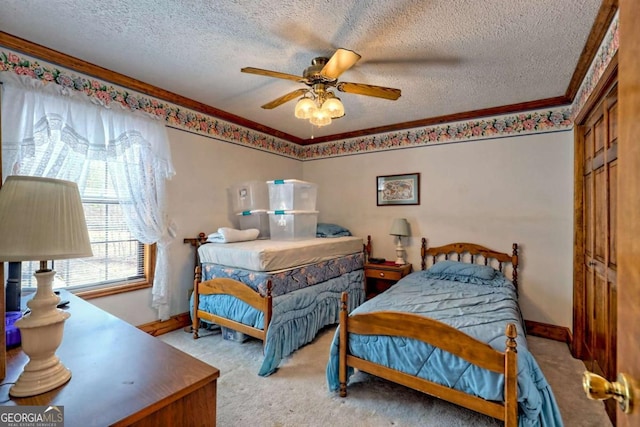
{"x": 600, "y": 154}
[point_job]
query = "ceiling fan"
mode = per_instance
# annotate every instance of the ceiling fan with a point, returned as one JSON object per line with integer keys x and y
{"x": 318, "y": 103}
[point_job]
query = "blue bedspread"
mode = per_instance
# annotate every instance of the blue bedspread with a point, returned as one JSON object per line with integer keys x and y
{"x": 479, "y": 306}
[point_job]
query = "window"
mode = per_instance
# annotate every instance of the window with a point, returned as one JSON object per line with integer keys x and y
{"x": 55, "y": 135}
{"x": 118, "y": 258}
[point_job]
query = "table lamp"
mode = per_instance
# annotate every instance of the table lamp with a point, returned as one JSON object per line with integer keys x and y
{"x": 41, "y": 219}
{"x": 399, "y": 228}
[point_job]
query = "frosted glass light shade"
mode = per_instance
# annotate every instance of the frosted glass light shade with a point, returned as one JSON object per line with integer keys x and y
{"x": 42, "y": 219}
{"x": 305, "y": 108}
{"x": 320, "y": 118}
{"x": 334, "y": 107}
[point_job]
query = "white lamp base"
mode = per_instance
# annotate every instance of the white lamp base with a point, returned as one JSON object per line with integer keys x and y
{"x": 41, "y": 335}
{"x": 400, "y": 253}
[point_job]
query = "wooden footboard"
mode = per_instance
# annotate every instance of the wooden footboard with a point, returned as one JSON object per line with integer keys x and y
{"x": 226, "y": 286}
{"x": 440, "y": 335}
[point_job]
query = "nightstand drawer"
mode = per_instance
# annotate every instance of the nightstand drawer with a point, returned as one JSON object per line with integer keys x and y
{"x": 380, "y": 277}
{"x": 383, "y": 274}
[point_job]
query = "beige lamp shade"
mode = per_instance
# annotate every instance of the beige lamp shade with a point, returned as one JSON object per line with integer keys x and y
{"x": 400, "y": 227}
{"x": 42, "y": 219}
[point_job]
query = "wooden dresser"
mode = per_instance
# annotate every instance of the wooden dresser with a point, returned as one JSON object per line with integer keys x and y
{"x": 121, "y": 376}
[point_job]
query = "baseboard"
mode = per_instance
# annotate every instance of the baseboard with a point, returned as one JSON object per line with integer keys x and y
{"x": 537, "y": 329}
{"x": 159, "y": 327}
{"x": 552, "y": 332}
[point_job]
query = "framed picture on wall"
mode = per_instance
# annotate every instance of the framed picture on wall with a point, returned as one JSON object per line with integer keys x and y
{"x": 398, "y": 189}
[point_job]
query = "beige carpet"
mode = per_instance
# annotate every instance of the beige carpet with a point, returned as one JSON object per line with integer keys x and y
{"x": 297, "y": 395}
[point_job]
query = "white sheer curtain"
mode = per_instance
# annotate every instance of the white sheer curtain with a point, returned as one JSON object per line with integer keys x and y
{"x": 49, "y": 131}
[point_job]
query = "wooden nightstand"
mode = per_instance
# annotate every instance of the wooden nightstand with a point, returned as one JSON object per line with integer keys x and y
{"x": 380, "y": 277}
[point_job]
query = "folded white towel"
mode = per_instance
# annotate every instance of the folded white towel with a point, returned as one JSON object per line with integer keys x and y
{"x": 229, "y": 235}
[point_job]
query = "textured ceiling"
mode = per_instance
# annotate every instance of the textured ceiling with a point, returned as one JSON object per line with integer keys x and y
{"x": 447, "y": 56}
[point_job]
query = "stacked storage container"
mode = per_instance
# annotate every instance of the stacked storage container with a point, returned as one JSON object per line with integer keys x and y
{"x": 292, "y": 209}
{"x": 250, "y": 201}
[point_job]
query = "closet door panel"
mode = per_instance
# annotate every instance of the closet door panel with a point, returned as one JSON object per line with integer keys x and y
{"x": 590, "y": 311}
{"x": 600, "y": 204}
{"x": 613, "y": 203}
{"x": 601, "y": 316}
{"x": 588, "y": 196}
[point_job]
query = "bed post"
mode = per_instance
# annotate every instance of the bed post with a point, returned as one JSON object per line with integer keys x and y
{"x": 423, "y": 253}
{"x": 342, "y": 372}
{"x": 367, "y": 249}
{"x": 197, "y": 278}
{"x": 511, "y": 378}
{"x": 195, "y": 321}
{"x": 268, "y": 311}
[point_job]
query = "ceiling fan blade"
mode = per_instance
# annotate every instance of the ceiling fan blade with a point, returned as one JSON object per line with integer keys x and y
{"x": 341, "y": 61}
{"x": 285, "y": 98}
{"x": 269, "y": 73}
{"x": 369, "y": 90}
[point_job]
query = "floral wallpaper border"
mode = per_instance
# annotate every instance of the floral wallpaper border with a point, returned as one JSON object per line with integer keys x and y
{"x": 524, "y": 123}
{"x": 511, "y": 125}
{"x": 606, "y": 52}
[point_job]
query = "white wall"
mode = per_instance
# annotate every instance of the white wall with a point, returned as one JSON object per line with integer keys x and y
{"x": 494, "y": 192}
{"x": 198, "y": 202}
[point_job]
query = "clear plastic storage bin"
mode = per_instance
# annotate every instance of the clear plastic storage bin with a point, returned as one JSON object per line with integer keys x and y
{"x": 255, "y": 219}
{"x": 233, "y": 335}
{"x": 293, "y": 225}
{"x": 248, "y": 196}
{"x": 292, "y": 195}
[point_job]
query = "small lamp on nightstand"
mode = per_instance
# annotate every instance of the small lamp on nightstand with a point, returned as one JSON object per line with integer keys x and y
{"x": 42, "y": 219}
{"x": 399, "y": 228}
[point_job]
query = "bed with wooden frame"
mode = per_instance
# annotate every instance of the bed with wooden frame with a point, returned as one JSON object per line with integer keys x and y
{"x": 369, "y": 326}
{"x": 283, "y": 308}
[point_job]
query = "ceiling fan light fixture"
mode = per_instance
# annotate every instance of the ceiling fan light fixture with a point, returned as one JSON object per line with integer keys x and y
{"x": 305, "y": 108}
{"x": 318, "y": 103}
{"x": 334, "y": 107}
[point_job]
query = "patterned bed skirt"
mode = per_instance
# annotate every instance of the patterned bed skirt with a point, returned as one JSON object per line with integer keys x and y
{"x": 285, "y": 281}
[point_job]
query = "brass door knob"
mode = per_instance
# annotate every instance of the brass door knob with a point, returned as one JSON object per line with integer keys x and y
{"x": 598, "y": 388}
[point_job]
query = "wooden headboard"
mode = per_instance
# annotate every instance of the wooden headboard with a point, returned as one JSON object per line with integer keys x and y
{"x": 471, "y": 253}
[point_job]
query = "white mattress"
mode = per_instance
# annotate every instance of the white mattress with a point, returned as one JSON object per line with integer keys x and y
{"x": 271, "y": 255}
